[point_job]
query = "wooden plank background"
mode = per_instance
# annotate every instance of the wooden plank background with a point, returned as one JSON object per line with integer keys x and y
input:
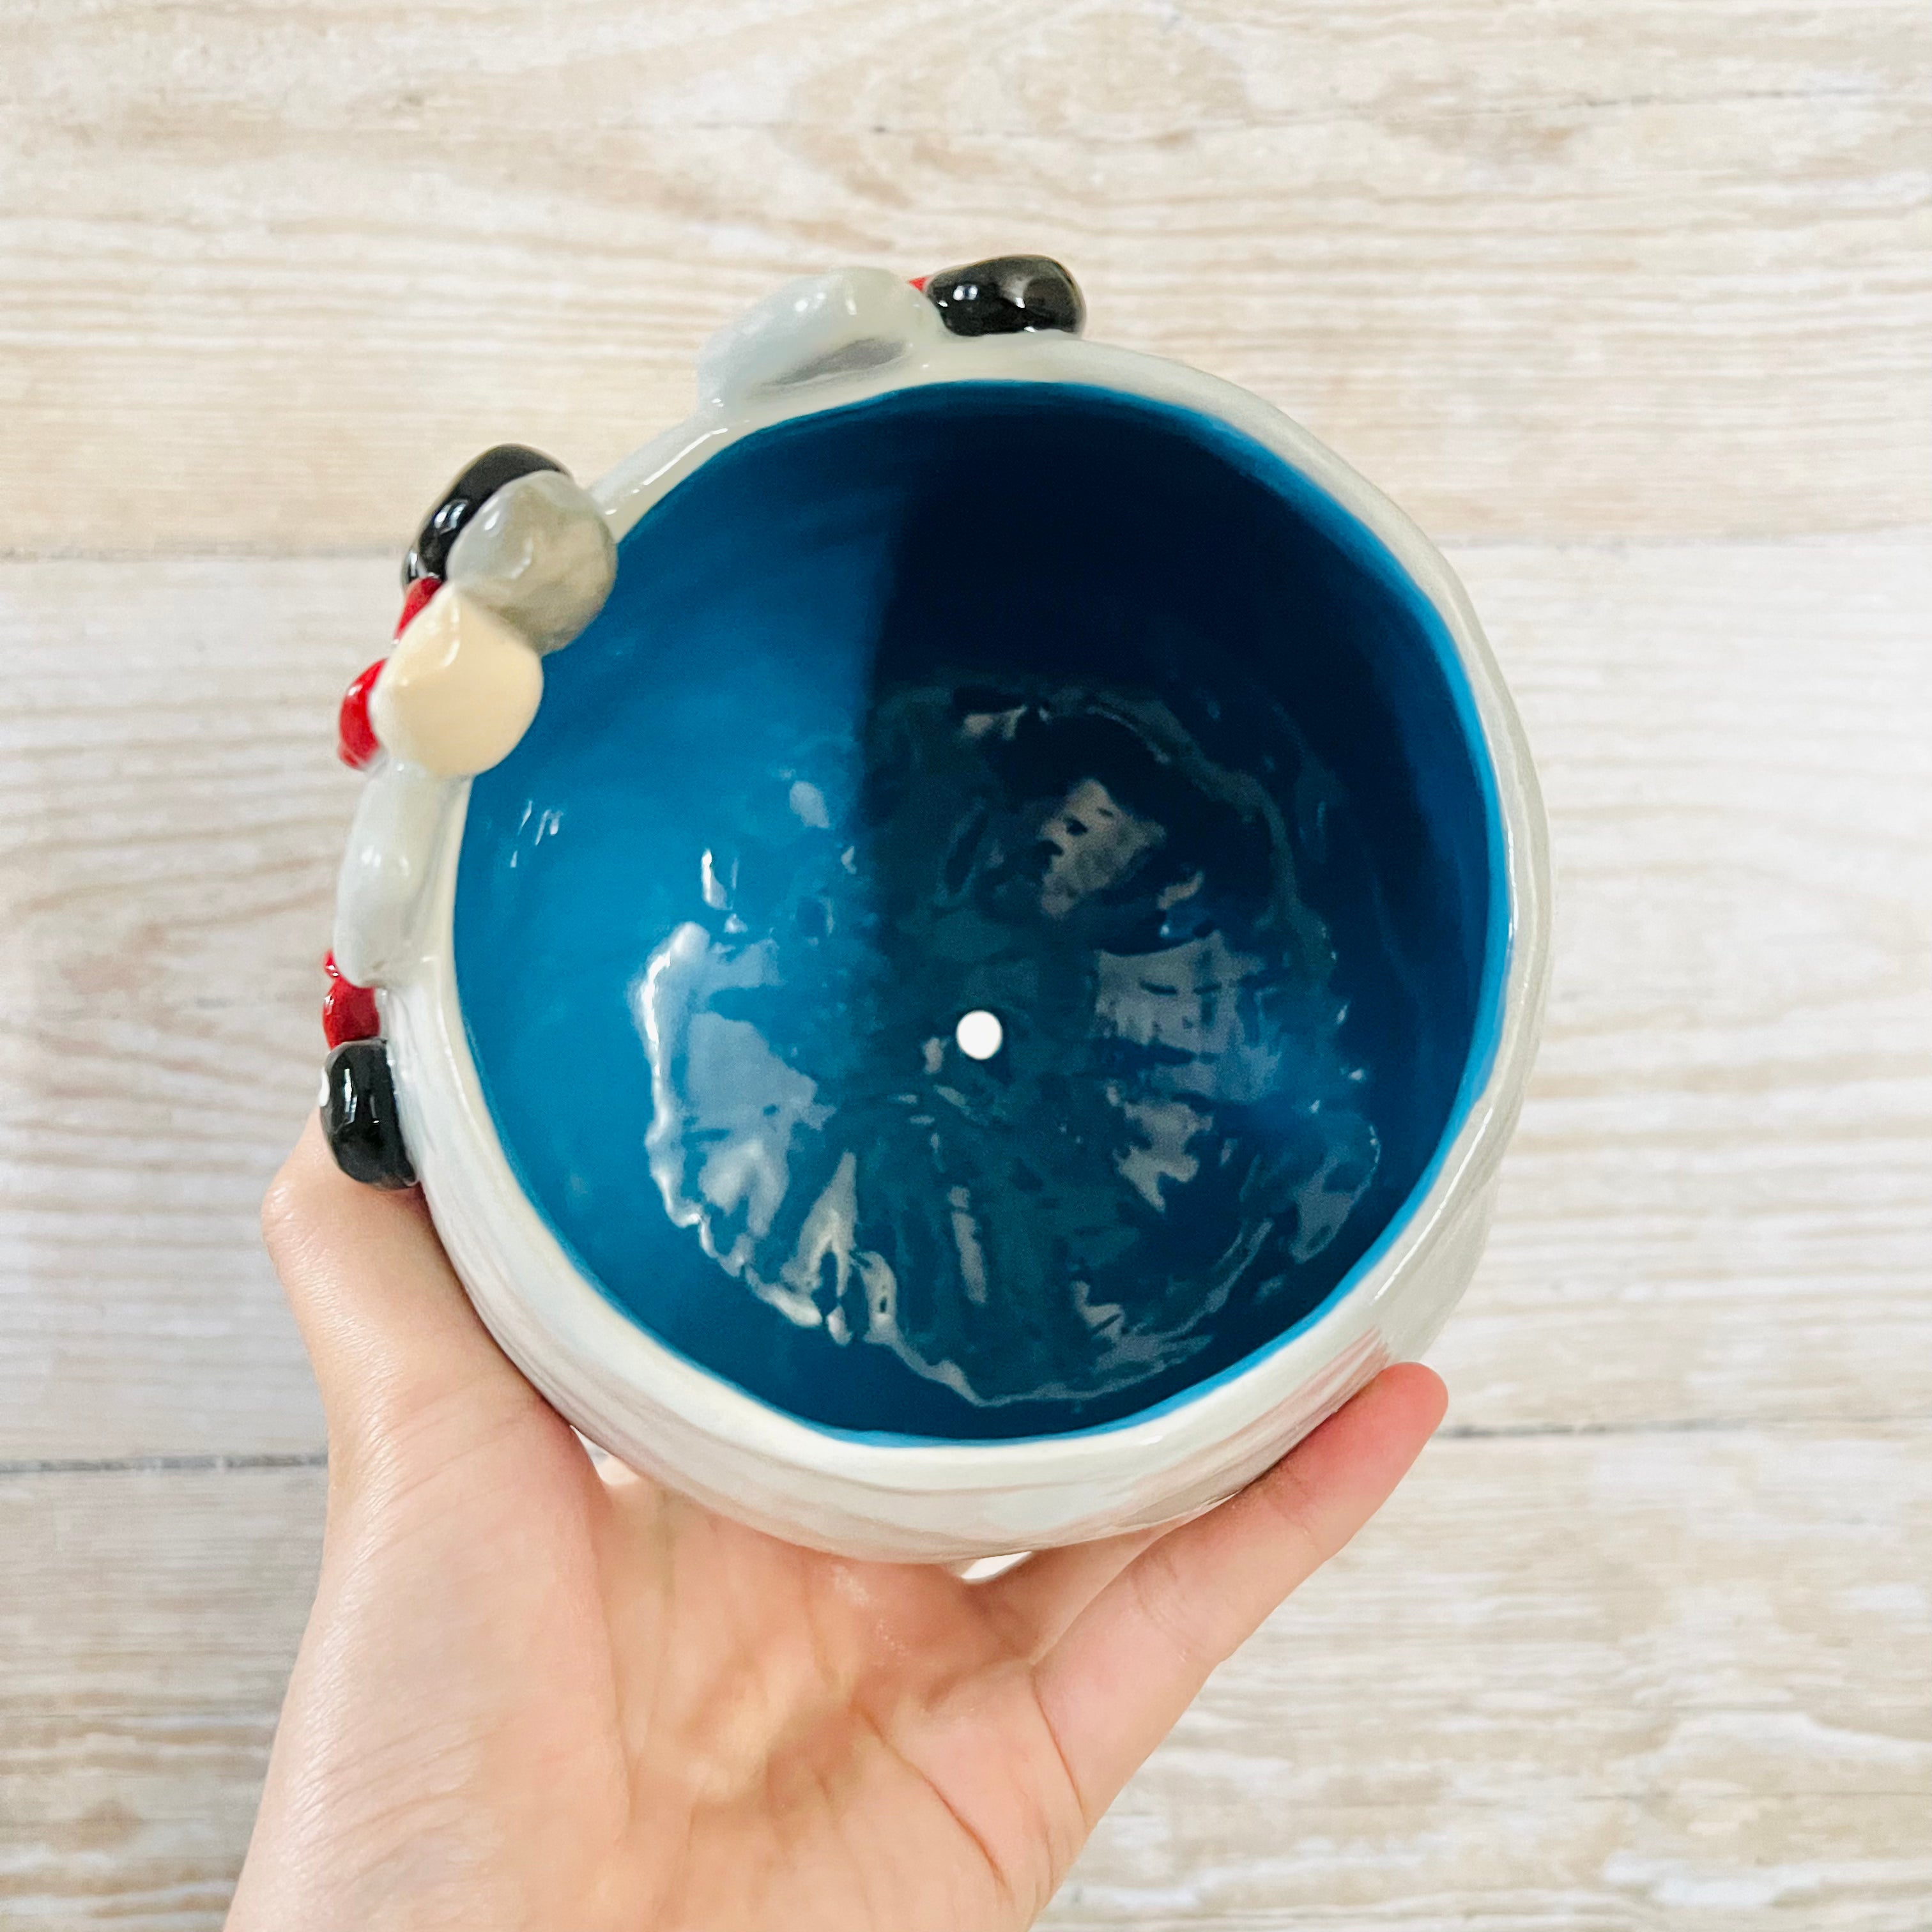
{"x": 1630, "y": 300}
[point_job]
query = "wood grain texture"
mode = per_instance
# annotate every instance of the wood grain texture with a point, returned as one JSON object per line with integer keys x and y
{"x": 147, "y": 1623}
{"x": 1562, "y": 1685}
{"x": 1717, "y": 1207}
{"x": 270, "y": 272}
{"x": 1614, "y": 1685}
{"x": 1642, "y": 1647}
{"x": 172, "y": 819}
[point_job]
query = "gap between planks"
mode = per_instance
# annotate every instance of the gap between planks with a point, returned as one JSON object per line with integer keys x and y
{"x": 218, "y": 1464}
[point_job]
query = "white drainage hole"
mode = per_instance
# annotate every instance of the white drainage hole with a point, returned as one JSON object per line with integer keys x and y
{"x": 979, "y": 1034}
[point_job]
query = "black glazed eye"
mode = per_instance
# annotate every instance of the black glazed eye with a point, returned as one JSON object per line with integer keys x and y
{"x": 429, "y": 555}
{"x": 359, "y": 1117}
{"x": 1006, "y": 295}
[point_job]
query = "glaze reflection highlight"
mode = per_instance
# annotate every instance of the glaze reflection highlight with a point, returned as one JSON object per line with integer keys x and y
{"x": 1074, "y": 860}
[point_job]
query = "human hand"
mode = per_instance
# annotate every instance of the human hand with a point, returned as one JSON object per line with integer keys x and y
{"x": 535, "y": 1695}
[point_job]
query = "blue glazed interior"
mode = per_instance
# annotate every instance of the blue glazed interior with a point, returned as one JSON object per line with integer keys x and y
{"x": 1036, "y": 699}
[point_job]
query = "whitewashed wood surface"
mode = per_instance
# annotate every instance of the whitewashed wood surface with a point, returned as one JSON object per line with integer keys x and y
{"x": 1630, "y": 301}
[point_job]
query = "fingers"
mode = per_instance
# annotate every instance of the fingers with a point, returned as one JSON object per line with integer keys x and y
{"x": 387, "y": 1325}
{"x": 1032, "y": 1604}
{"x": 1132, "y": 1660}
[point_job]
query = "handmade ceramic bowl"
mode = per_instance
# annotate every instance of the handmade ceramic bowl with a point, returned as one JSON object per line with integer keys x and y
{"x": 983, "y": 995}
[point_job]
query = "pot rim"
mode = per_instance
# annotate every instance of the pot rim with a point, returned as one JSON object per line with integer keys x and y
{"x": 606, "y": 1371}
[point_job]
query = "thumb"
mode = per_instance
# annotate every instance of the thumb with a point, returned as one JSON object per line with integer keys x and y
{"x": 397, "y": 1348}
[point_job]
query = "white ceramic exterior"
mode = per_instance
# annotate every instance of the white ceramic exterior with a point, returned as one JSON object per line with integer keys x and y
{"x": 820, "y": 344}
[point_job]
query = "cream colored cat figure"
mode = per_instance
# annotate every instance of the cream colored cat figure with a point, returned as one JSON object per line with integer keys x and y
{"x": 955, "y": 945}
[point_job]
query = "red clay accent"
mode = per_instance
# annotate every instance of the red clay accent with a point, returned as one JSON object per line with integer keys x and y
{"x": 920, "y": 282}
{"x": 355, "y": 742}
{"x": 348, "y": 1011}
{"x": 415, "y": 598}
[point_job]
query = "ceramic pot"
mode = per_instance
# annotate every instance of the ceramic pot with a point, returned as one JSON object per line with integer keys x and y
{"x": 983, "y": 995}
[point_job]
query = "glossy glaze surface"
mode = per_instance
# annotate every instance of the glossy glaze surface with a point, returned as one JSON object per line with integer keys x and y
{"x": 356, "y": 742}
{"x": 1039, "y": 701}
{"x": 419, "y": 591}
{"x": 539, "y": 554}
{"x": 359, "y": 1116}
{"x": 480, "y": 480}
{"x": 460, "y": 688}
{"x": 1006, "y": 295}
{"x": 349, "y": 1011}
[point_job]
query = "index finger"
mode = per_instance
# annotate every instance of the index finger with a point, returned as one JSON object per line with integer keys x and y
{"x": 389, "y": 1330}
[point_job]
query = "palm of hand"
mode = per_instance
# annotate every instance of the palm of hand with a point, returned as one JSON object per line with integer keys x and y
{"x": 535, "y": 1695}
